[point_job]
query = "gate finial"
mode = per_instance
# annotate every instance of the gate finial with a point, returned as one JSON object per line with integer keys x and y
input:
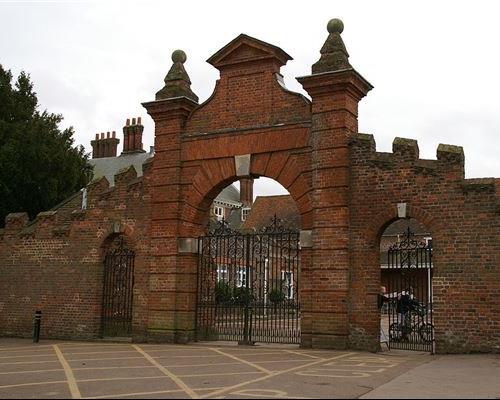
{"x": 334, "y": 55}
{"x": 177, "y": 82}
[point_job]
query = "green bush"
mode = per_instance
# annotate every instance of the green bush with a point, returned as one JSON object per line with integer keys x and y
{"x": 276, "y": 296}
{"x": 223, "y": 293}
{"x": 242, "y": 296}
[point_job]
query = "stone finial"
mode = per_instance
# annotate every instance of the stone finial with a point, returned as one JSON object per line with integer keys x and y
{"x": 177, "y": 82}
{"x": 334, "y": 55}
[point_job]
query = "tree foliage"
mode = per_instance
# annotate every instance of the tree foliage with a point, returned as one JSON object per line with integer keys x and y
{"x": 39, "y": 164}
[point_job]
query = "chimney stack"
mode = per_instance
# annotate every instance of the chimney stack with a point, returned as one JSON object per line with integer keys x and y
{"x": 104, "y": 146}
{"x": 132, "y": 136}
{"x": 246, "y": 191}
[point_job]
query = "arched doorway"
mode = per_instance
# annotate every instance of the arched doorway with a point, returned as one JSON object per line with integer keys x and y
{"x": 118, "y": 283}
{"x": 406, "y": 286}
{"x": 249, "y": 273}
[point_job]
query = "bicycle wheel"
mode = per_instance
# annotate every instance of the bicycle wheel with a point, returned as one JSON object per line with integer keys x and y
{"x": 395, "y": 332}
{"x": 426, "y": 332}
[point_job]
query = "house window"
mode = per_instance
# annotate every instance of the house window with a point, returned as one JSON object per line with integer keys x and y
{"x": 241, "y": 276}
{"x": 222, "y": 275}
{"x": 244, "y": 213}
{"x": 219, "y": 212}
{"x": 287, "y": 282}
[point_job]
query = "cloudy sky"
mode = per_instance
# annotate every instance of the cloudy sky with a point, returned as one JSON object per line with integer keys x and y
{"x": 435, "y": 65}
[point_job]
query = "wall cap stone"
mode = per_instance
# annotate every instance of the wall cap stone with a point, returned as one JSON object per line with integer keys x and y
{"x": 187, "y": 245}
{"x": 306, "y": 239}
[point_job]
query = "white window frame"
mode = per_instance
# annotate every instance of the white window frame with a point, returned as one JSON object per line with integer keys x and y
{"x": 287, "y": 279}
{"x": 241, "y": 276}
{"x": 244, "y": 213}
{"x": 219, "y": 212}
{"x": 222, "y": 273}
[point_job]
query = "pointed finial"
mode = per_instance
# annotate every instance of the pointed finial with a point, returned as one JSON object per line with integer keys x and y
{"x": 177, "y": 82}
{"x": 334, "y": 55}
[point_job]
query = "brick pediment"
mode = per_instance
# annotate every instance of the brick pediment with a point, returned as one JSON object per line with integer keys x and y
{"x": 244, "y": 49}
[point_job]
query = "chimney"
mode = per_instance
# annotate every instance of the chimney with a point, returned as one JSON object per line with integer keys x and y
{"x": 132, "y": 136}
{"x": 104, "y": 146}
{"x": 246, "y": 191}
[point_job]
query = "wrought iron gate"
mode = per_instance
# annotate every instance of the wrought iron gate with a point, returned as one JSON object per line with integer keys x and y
{"x": 409, "y": 294}
{"x": 248, "y": 285}
{"x": 118, "y": 291}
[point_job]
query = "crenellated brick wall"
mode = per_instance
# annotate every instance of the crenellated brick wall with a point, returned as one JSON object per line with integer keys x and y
{"x": 55, "y": 263}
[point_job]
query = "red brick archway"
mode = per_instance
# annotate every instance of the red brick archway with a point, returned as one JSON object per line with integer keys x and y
{"x": 253, "y": 126}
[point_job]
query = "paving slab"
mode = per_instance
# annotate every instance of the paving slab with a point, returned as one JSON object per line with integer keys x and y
{"x": 446, "y": 377}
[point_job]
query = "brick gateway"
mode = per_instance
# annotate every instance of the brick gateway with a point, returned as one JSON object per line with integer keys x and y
{"x": 346, "y": 193}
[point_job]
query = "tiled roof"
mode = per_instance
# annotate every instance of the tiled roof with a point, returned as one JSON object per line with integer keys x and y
{"x": 266, "y": 207}
{"x": 109, "y": 166}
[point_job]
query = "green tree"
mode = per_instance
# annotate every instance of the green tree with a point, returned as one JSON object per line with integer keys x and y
{"x": 39, "y": 164}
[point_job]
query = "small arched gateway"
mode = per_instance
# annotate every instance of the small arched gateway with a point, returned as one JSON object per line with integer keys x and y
{"x": 118, "y": 286}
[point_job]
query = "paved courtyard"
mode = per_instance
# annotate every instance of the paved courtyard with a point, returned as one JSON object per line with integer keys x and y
{"x": 215, "y": 370}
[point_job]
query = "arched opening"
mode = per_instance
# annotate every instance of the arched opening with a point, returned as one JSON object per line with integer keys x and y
{"x": 249, "y": 266}
{"x": 405, "y": 300}
{"x": 118, "y": 284}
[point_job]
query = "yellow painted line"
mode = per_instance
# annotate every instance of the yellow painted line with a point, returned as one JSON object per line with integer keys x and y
{"x": 26, "y": 348}
{"x": 110, "y": 396}
{"x": 303, "y": 354}
{"x": 105, "y": 359}
{"x": 28, "y": 362}
{"x": 266, "y": 371}
{"x": 201, "y": 365}
{"x": 104, "y": 368}
{"x": 99, "y": 352}
{"x": 30, "y": 384}
{"x": 220, "y": 374}
{"x": 272, "y": 375}
{"x": 123, "y": 378}
{"x": 280, "y": 361}
{"x": 31, "y": 372}
{"x": 73, "y": 387}
{"x": 172, "y": 376}
{"x": 29, "y": 355}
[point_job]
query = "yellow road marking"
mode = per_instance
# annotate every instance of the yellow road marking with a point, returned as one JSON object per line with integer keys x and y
{"x": 273, "y": 374}
{"x": 109, "y": 396}
{"x": 105, "y": 359}
{"x": 25, "y": 348}
{"x": 123, "y": 378}
{"x": 104, "y": 368}
{"x": 28, "y": 362}
{"x": 220, "y": 374}
{"x": 242, "y": 361}
{"x": 100, "y": 352}
{"x": 73, "y": 387}
{"x": 177, "y": 381}
{"x": 303, "y": 354}
{"x": 31, "y": 384}
{"x": 33, "y": 371}
{"x": 29, "y": 355}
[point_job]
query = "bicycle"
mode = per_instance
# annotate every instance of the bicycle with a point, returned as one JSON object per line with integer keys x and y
{"x": 400, "y": 332}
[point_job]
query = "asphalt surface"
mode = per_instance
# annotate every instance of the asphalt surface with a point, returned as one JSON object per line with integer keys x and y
{"x": 215, "y": 370}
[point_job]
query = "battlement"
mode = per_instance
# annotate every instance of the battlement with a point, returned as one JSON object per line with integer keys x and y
{"x": 405, "y": 154}
{"x": 128, "y": 193}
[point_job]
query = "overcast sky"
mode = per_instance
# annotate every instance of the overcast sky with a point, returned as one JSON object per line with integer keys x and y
{"x": 435, "y": 65}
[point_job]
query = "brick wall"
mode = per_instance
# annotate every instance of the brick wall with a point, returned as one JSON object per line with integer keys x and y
{"x": 55, "y": 263}
{"x": 463, "y": 218}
